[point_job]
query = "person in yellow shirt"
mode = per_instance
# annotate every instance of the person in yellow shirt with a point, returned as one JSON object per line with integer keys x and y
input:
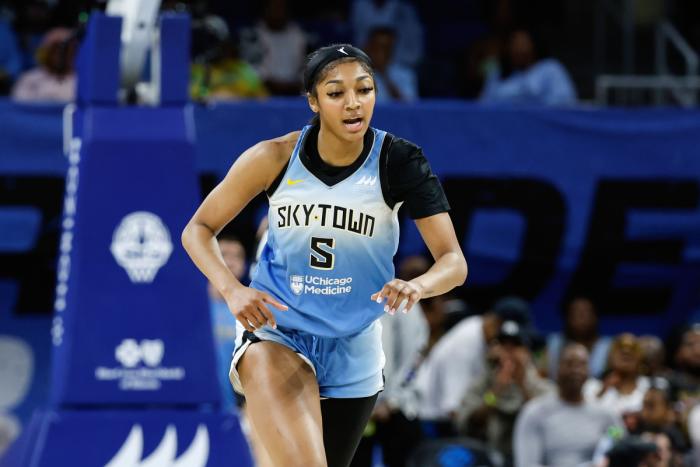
{"x": 222, "y": 75}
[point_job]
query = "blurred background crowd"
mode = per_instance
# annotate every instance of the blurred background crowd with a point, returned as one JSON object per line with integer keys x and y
{"x": 489, "y": 381}
{"x": 539, "y": 52}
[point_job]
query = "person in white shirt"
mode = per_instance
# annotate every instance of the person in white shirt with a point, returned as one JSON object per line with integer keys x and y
{"x": 490, "y": 406}
{"x": 54, "y": 80}
{"x": 277, "y": 48}
{"x": 525, "y": 79}
{"x": 406, "y": 339}
{"x": 623, "y": 387}
{"x": 458, "y": 359}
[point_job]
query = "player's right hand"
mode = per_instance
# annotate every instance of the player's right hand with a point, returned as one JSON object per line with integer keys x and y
{"x": 249, "y": 307}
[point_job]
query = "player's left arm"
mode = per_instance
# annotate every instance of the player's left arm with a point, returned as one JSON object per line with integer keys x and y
{"x": 448, "y": 271}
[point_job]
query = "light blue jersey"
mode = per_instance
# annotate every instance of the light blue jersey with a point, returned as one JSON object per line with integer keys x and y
{"x": 329, "y": 247}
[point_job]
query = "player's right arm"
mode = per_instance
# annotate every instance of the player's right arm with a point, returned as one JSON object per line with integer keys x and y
{"x": 254, "y": 171}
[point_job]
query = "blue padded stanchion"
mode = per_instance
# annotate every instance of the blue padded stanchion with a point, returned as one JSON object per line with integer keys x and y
{"x": 133, "y": 372}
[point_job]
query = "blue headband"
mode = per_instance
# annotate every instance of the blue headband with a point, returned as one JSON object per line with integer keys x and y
{"x": 326, "y": 55}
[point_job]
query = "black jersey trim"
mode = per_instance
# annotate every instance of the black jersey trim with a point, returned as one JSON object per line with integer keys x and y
{"x": 406, "y": 177}
{"x": 328, "y": 174}
{"x": 276, "y": 182}
{"x": 384, "y": 170}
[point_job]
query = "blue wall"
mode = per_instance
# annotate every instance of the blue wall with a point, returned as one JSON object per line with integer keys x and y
{"x": 547, "y": 202}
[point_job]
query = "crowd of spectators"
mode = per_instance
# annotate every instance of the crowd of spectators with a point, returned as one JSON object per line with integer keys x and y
{"x": 257, "y": 49}
{"x": 491, "y": 382}
{"x": 638, "y": 410}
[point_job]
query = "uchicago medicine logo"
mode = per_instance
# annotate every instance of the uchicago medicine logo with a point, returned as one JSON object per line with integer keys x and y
{"x": 317, "y": 285}
{"x": 296, "y": 282}
{"x": 141, "y": 368}
{"x": 141, "y": 245}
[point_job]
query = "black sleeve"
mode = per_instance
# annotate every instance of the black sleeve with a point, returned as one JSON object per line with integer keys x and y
{"x": 408, "y": 178}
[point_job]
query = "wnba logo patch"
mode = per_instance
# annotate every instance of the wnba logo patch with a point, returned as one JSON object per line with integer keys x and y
{"x": 297, "y": 284}
{"x": 141, "y": 245}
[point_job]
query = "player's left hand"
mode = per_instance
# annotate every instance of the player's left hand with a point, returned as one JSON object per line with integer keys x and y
{"x": 396, "y": 292}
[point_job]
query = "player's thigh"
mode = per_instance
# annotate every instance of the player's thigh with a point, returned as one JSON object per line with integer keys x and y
{"x": 283, "y": 404}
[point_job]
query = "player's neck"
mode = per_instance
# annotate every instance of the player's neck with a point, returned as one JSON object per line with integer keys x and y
{"x": 337, "y": 152}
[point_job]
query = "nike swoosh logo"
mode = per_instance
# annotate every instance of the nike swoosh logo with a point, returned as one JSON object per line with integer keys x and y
{"x": 294, "y": 182}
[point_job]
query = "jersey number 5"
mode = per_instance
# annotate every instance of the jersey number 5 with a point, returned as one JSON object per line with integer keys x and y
{"x": 321, "y": 257}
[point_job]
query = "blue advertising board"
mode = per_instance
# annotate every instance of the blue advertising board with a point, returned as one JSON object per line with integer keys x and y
{"x": 546, "y": 202}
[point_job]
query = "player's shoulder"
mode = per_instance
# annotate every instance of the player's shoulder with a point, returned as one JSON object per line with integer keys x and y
{"x": 276, "y": 150}
{"x": 268, "y": 158}
{"x": 399, "y": 150}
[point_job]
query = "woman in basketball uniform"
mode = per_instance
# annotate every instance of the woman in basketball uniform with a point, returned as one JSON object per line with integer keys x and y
{"x": 308, "y": 354}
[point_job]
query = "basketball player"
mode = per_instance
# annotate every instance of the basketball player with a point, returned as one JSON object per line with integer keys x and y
{"x": 308, "y": 356}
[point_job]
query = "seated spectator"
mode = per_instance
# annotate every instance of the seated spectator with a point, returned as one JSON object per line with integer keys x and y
{"x": 406, "y": 339}
{"x": 657, "y": 417}
{"x": 224, "y": 76}
{"x": 650, "y": 449}
{"x": 218, "y": 72}
{"x": 276, "y": 47}
{"x": 685, "y": 379}
{"x": 563, "y": 429}
{"x": 523, "y": 78}
{"x": 623, "y": 387}
{"x": 665, "y": 455}
{"x": 580, "y": 326}
{"x": 399, "y": 15}
{"x": 54, "y": 79}
{"x": 223, "y": 320}
{"x": 490, "y": 406}
{"x": 10, "y": 56}
{"x": 440, "y": 387}
{"x": 654, "y": 357}
{"x": 393, "y": 81}
{"x": 633, "y": 451}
